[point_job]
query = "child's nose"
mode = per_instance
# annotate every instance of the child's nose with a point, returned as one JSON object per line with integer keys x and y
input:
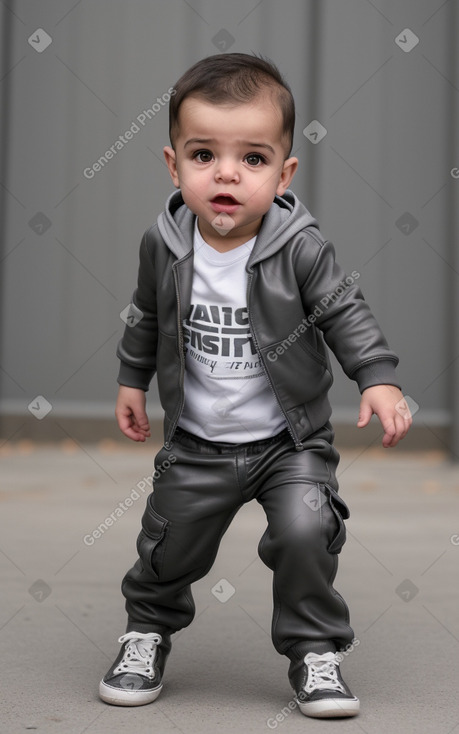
{"x": 227, "y": 170}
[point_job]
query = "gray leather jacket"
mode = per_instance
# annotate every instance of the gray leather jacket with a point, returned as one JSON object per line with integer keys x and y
{"x": 296, "y": 295}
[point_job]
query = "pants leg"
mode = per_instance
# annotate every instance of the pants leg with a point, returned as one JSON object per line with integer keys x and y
{"x": 304, "y": 535}
{"x": 192, "y": 505}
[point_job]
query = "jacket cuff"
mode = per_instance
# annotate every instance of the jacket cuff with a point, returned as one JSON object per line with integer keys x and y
{"x": 379, "y": 372}
{"x": 135, "y": 376}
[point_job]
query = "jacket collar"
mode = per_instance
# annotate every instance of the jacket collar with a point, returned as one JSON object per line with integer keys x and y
{"x": 285, "y": 217}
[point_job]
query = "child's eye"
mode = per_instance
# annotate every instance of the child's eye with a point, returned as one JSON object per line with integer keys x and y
{"x": 254, "y": 159}
{"x": 203, "y": 156}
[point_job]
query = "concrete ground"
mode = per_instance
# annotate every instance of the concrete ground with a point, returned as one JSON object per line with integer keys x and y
{"x": 62, "y": 610}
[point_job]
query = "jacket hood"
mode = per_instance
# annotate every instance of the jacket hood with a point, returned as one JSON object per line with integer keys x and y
{"x": 285, "y": 217}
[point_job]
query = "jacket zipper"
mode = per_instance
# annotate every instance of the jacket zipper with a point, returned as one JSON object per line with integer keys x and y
{"x": 298, "y": 445}
{"x": 182, "y": 361}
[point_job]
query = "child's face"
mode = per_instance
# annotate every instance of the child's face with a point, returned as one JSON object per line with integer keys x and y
{"x": 228, "y": 161}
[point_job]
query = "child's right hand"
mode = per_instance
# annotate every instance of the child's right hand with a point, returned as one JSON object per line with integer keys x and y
{"x": 130, "y": 413}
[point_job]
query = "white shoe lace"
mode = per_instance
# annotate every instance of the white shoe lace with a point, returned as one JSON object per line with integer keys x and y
{"x": 323, "y": 673}
{"x": 139, "y": 655}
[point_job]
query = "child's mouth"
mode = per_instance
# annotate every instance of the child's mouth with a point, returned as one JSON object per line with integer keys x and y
{"x": 224, "y": 203}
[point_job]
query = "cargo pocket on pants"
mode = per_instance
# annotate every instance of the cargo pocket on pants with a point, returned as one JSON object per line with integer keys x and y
{"x": 341, "y": 513}
{"x": 150, "y": 542}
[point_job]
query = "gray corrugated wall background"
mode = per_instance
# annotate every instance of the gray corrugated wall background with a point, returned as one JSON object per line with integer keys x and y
{"x": 379, "y": 75}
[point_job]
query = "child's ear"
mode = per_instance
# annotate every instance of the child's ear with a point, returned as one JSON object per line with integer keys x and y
{"x": 171, "y": 161}
{"x": 287, "y": 174}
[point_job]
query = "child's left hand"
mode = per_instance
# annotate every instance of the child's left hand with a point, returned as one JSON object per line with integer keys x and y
{"x": 388, "y": 403}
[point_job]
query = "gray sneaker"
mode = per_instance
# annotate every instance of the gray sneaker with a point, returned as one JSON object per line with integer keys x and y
{"x": 135, "y": 677}
{"x": 320, "y": 690}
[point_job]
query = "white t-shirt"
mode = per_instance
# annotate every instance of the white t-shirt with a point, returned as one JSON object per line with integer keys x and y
{"x": 227, "y": 395}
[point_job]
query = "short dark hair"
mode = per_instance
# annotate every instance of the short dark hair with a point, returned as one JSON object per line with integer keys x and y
{"x": 234, "y": 77}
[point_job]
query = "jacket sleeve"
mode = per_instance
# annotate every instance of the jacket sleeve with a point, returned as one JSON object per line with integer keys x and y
{"x": 335, "y": 301}
{"x": 137, "y": 348}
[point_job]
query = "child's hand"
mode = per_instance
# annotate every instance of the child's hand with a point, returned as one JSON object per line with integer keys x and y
{"x": 388, "y": 403}
{"x": 130, "y": 413}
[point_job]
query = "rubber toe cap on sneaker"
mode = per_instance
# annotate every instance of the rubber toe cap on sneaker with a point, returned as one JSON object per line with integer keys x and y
{"x": 128, "y": 692}
{"x": 332, "y": 707}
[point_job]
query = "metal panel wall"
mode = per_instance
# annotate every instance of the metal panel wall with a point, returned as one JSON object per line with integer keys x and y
{"x": 381, "y": 176}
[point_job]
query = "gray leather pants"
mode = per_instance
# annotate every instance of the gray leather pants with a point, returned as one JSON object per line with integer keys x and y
{"x": 194, "y": 500}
